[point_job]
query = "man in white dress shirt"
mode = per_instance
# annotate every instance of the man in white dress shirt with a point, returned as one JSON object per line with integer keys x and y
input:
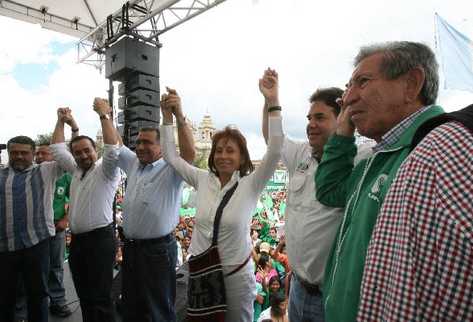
{"x": 93, "y": 187}
{"x": 310, "y": 226}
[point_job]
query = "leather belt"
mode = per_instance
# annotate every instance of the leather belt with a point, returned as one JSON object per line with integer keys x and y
{"x": 312, "y": 289}
{"x": 150, "y": 241}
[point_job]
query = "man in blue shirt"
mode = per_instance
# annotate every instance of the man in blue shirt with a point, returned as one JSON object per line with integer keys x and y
{"x": 150, "y": 215}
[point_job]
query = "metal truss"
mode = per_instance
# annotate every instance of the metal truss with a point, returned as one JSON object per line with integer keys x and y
{"x": 145, "y": 19}
{"x": 47, "y": 20}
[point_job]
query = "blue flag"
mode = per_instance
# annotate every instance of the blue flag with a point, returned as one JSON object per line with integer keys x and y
{"x": 456, "y": 52}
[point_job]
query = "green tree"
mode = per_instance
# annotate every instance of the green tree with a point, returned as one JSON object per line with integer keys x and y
{"x": 44, "y": 139}
{"x": 201, "y": 161}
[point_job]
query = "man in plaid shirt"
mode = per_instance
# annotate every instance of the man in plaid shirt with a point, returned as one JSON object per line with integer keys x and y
{"x": 419, "y": 263}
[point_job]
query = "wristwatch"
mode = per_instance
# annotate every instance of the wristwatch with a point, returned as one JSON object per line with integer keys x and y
{"x": 105, "y": 117}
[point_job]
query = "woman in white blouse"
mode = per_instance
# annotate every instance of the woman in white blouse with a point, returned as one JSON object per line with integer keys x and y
{"x": 229, "y": 162}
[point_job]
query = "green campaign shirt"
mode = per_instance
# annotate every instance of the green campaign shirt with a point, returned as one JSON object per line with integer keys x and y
{"x": 61, "y": 196}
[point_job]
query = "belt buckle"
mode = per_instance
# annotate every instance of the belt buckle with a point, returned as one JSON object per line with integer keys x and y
{"x": 313, "y": 288}
{"x": 310, "y": 288}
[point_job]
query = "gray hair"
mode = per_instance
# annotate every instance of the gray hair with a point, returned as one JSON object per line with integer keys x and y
{"x": 399, "y": 57}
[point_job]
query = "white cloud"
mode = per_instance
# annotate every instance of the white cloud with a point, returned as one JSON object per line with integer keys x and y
{"x": 26, "y": 43}
{"x": 31, "y": 113}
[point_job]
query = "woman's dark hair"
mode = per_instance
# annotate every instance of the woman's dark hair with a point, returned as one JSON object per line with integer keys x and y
{"x": 231, "y": 133}
{"x": 263, "y": 260}
{"x": 276, "y": 300}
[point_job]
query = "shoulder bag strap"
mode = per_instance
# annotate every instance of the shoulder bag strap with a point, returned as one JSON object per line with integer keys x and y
{"x": 218, "y": 215}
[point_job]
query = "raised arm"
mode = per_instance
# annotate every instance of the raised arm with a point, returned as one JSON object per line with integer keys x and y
{"x": 58, "y": 134}
{"x": 64, "y": 117}
{"x": 110, "y": 138}
{"x": 169, "y": 103}
{"x": 272, "y": 110}
{"x": 277, "y": 251}
{"x": 269, "y": 87}
{"x": 184, "y": 133}
{"x": 334, "y": 173}
{"x": 73, "y": 125}
{"x": 103, "y": 109}
{"x": 58, "y": 146}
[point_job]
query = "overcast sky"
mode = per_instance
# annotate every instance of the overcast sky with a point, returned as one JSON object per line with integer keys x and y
{"x": 215, "y": 60}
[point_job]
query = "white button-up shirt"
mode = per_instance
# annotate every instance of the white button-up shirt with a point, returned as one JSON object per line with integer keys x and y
{"x": 152, "y": 199}
{"x": 310, "y": 226}
{"x": 91, "y": 197}
{"x": 234, "y": 240}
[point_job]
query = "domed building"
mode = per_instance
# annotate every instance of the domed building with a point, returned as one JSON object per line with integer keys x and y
{"x": 203, "y": 136}
{"x": 202, "y": 139}
{"x": 99, "y": 139}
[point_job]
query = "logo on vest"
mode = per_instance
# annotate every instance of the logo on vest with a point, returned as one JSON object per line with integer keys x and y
{"x": 376, "y": 188}
{"x": 60, "y": 191}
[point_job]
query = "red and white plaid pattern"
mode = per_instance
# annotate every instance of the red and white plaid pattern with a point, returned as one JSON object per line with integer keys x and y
{"x": 419, "y": 265}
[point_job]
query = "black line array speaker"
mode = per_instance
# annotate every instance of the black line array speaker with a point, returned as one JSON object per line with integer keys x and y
{"x": 138, "y": 81}
{"x": 129, "y": 56}
{"x": 138, "y": 97}
{"x": 135, "y": 64}
{"x": 139, "y": 112}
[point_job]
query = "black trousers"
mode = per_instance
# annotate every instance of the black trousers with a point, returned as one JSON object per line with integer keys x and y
{"x": 56, "y": 291}
{"x": 91, "y": 259}
{"x": 32, "y": 265}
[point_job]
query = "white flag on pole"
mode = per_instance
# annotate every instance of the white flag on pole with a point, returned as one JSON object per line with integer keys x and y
{"x": 456, "y": 53}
